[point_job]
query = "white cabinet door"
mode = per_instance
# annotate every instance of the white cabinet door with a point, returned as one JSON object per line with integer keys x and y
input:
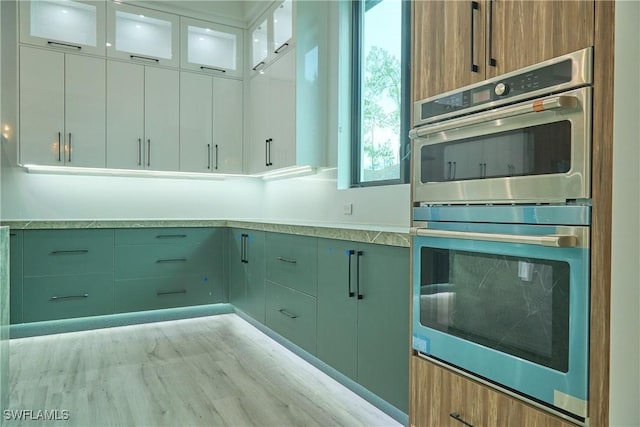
{"x": 64, "y": 24}
{"x": 281, "y": 105}
{"x": 142, "y": 35}
{"x": 227, "y": 125}
{"x": 209, "y": 47}
{"x": 161, "y": 119}
{"x": 282, "y": 26}
{"x": 125, "y": 115}
{"x": 196, "y": 116}
{"x": 258, "y": 124}
{"x": 260, "y": 46}
{"x": 41, "y": 107}
{"x": 85, "y": 111}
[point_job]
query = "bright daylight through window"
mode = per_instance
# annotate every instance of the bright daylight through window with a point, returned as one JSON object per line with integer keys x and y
{"x": 380, "y": 108}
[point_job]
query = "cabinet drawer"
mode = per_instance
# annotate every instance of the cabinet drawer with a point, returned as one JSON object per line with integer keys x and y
{"x": 292, "y": 261}
{"x": 72, "y": 252}
{"x": 155, "y": 236}
{"x": 142, "y": 261}
{"x": 63, "y": 297}
{"x": 165, "y": 292}
{"x": 292, "y": 314}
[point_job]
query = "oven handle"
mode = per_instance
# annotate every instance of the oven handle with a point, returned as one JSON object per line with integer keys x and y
{"x": 554, "y": 103}
{"x": 551, "y": 240}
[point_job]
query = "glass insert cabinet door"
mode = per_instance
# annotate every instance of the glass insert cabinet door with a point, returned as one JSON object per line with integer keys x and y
{"x": 64, "y": 24}
{"x": 211, "y": 47}
{"x": 282, "y": 25}
{"x": 259, "y": 45}
{"x": 142, "y": 35}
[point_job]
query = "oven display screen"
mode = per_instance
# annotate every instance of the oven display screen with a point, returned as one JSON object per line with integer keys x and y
{"x": 480, "y": 96}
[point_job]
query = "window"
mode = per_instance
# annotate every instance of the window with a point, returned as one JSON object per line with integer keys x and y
{"x": 380, "y": 107}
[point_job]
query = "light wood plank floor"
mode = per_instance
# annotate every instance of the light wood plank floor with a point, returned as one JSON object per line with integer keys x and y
{"x": 211, "y": 371}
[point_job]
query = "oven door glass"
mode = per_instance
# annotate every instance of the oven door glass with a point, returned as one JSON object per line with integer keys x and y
{"x": 533, "y": 150}
{"x": 515, "y": 304}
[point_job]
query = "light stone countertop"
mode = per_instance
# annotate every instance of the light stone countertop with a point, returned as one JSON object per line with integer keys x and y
{"x": 367, "y": 233}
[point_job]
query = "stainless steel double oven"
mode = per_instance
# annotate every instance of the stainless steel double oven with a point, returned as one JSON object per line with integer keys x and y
{"x": 501, "y": 229}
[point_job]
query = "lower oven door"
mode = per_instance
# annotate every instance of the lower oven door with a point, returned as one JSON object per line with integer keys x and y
{"x": 508, "y": 303}
{"x": 535, "y": 151}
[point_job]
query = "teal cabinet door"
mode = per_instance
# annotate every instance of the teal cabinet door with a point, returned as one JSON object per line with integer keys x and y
{"x": 165, "y": 292}
{"x": 337, "y": 315}
{"x": 383, "y": 322}
{"x": 67, "y": 252}
{"x": 247, "y": 272}
{"x": 15, "y": 276}
{"x": 66, "y": 297}
{"x": 292, "y": 261}
{"x": 292, "y": 314}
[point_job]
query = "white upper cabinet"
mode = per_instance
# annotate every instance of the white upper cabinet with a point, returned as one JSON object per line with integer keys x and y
{"x": 142, "y": 35}
{"x": 211, "y": 47}
{"x": 62, "y": 111}
{"x": 64, "y": 24}
{"x": 272, "y": 34}
{"x": 282, "y": 25}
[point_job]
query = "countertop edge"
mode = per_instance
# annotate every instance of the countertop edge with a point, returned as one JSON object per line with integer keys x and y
{"x": 390, "y": 236}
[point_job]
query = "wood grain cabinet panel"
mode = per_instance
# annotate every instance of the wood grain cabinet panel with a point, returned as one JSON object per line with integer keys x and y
{"x": 437, "y": 395}
{"x": 496, "y": 36}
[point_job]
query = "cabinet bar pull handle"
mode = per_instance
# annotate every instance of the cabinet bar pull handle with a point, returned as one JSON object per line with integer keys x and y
{"x": 456, "y": 416}
{"x": 287, "y": 313}
{"x": 282, "y": 46}
{"x": 258, "y": 65}
{"x": 182, "y": 291}
{"x": 70, "y": 252}
{"x": 269, "y": 141}
{"x": 59, "y": 146}
{"x": 290, "y": 261}
{"x": 139, "y": 151}
{"x": 167, "y": 261}
{"x": 148, "y": 152}
{"x": 144, "y": 58}
{"x": 69, "y": 297}
{"x": 474, "y": 7}
{"x": 449, "y": 171}
{"x": 358, "y": 255}
{"x": 266, "y": 152}
{"x": 208, "y": 156}
{"x": 12, "y": 234}
{"x": 455, "y": 168}
{"x": 65, "y": 45}
{"x": 171, "y": 236}
{"x": 350, "y": 252}
{"x": 243, "y": 249}
{"x": 492, "y": 60}
{"x": 220, "y": 70}
{"x": 69, "y": 147}
{"x": 216, "y": 153}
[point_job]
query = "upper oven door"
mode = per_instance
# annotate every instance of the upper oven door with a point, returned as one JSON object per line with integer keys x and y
{"x": 534, "y": 151}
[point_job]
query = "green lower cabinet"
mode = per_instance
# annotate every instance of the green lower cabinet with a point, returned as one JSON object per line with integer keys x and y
{"x": 167, "y": 292}
{"x": 367, "y": 339}
{"x": 337, "y": 307}
{"x": 292, "y": 314}
{"x": 247, "y": 272}
{"x": 65, "y": 297}
{"x": 15, "y": 276}
{"x": 153, "y": 236}
{"x": 292, "y": 261}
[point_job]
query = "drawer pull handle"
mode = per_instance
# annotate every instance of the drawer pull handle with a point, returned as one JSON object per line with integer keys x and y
{"x": 287, "y": 313}
{"x": 69, "y": 297}
{"x": 72, "y": 252}
{"x": 290, "y": 261}
{"x": 183, "y": 291}
{"x": 171, "y": 236}
{"x": 456, "y": 416}
{"x": 166, "y": 261}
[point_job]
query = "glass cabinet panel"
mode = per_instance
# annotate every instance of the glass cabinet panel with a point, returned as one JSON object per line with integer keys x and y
{"x": 142, "y": 35}
{"x": 282, "y": 24}
{"x": 259, "y": 44}
{"x": 63, "y": 24}
{"x": 211, "y": 47}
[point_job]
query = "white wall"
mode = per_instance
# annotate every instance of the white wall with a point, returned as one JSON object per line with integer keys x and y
{"x": 625, "y": 256}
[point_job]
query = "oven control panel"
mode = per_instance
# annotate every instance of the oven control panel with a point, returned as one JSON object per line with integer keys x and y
{"x": 501, "y": 90}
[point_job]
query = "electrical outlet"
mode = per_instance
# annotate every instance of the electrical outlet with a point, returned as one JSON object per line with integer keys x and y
{"x": 347, "y": 209}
